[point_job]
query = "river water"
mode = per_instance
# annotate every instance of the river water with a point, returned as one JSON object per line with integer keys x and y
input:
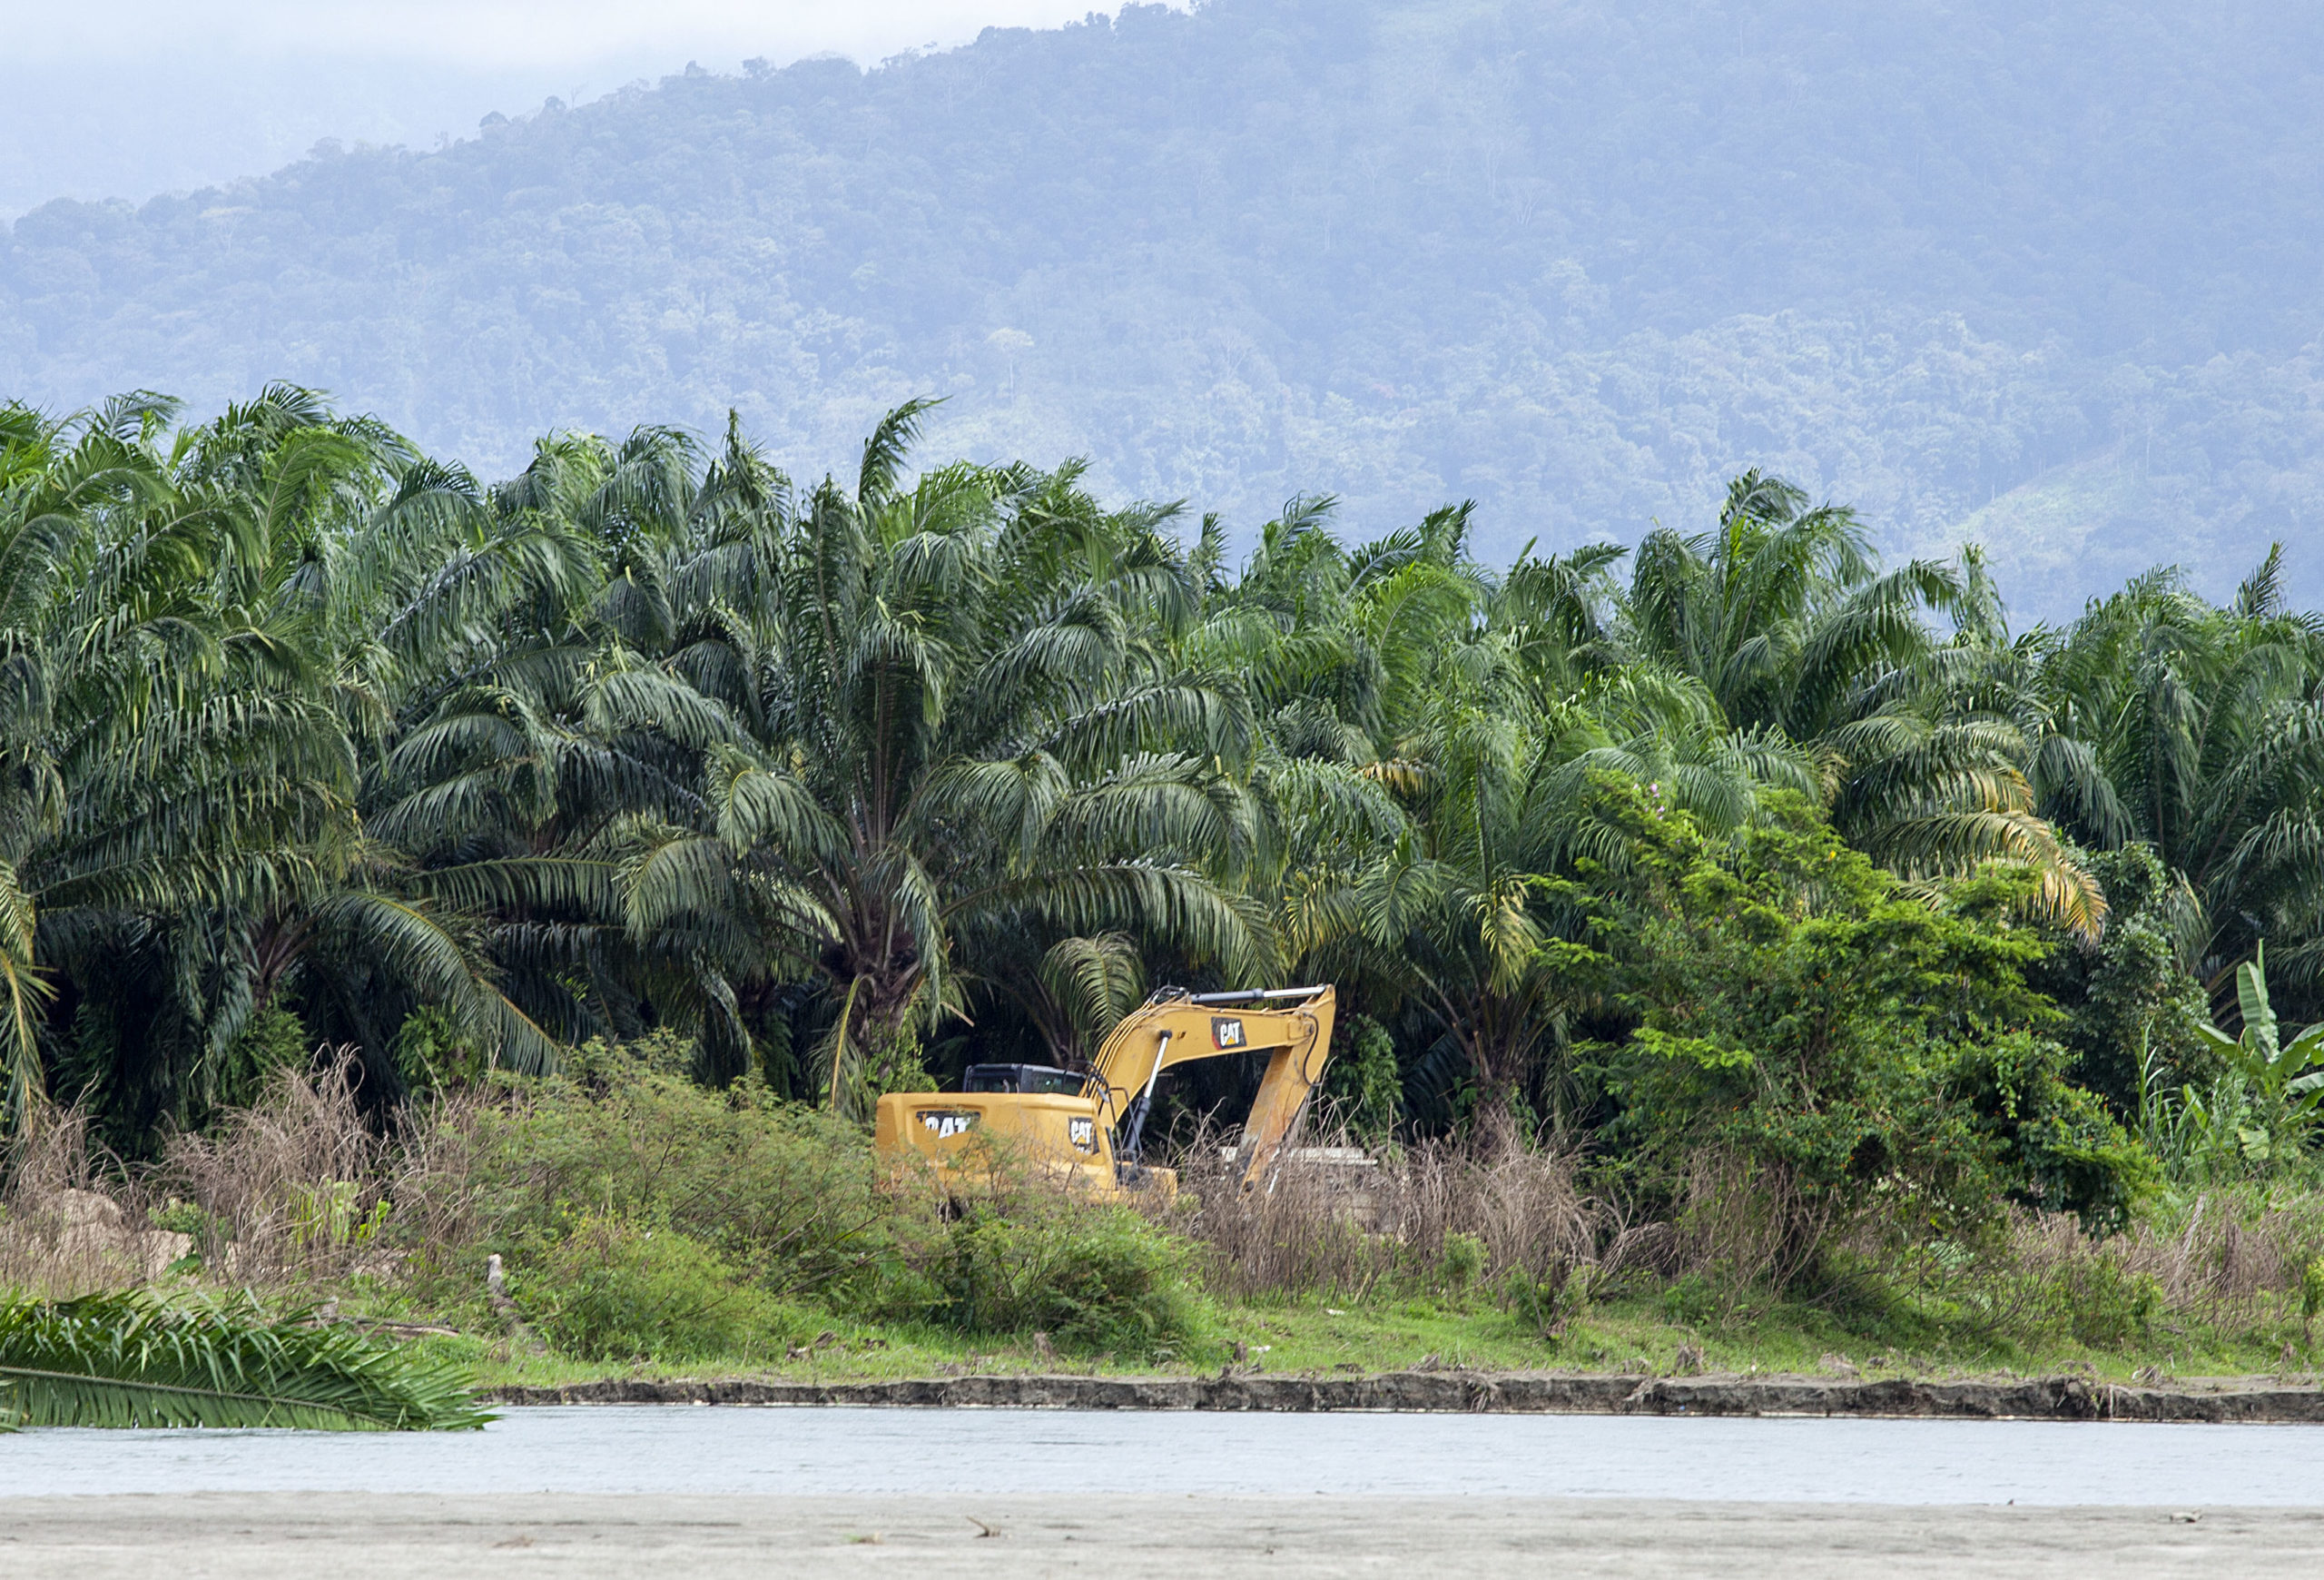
{"x": 794, "y": 1451}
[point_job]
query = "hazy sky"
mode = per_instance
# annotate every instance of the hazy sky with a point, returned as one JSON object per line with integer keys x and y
{"x": 127, "y": 98}
{"x": 510, "y": 33}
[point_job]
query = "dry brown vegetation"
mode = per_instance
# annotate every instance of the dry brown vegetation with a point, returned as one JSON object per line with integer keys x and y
{"x": 1344, "y": 1228}
{"x": 293, "y": 1193}
{"x": 1549, "y": 1241}
{"x": 74, "y": 1225}
{"x": 1334, "y": 1228}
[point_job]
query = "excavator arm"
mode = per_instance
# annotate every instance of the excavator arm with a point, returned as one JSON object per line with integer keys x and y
{"x": 1292, "y": 1025}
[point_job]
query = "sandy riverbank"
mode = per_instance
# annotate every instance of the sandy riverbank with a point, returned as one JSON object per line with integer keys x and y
{"x": 297, "y": 1536}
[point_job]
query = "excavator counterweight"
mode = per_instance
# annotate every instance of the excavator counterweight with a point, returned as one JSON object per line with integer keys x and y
{"x": 1087, "y": 1132}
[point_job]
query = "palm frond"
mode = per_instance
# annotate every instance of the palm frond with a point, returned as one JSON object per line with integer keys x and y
{"x": 131, "y": 1359}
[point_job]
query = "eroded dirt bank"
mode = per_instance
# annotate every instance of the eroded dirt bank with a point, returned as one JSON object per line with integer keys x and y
{"x": 2050, "y": 1398}
{"x": 296, "y": 1536}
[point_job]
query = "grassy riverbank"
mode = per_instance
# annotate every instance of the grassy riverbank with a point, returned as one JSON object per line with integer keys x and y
{"x": 623, "y": 1222}
{"x": 1313, "y": 1340}
{"x": 1630, "y": 1334}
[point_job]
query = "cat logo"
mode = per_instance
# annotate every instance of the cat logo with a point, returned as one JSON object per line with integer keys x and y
{"x": 1225, "y": 1031}
{"x": 944, "y": 1123}
{"x": 1082, "y": 1134}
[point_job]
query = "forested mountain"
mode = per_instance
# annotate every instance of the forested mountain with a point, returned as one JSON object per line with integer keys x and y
{"x": 2046, "y": 276}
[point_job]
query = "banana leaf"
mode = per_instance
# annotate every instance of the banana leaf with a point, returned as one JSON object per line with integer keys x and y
{"x": 131, "y": 1359}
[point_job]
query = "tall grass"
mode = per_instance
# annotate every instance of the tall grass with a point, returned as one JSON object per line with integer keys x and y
{"x": 1318, "y": 1228}
{"x": 2228, "y": 1262}
{"x": 71, "y": 1222}
{"x": 296, "y": 1190}
{"x": 1536, "y": 1231}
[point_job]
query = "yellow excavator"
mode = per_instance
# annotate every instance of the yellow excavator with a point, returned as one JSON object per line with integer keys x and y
{"x": 1086, "y": 1131}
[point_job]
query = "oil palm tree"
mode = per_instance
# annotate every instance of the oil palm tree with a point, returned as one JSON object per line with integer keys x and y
{"x": 129, "y": 1360}
{"x": 1426, "y": 808}
{"x": 1458, "y": 908}
{"x": 175, "y": 753}
{"x": 2207, "y": 723}
{"x": 1780, "y": 610}
{"x": 210, "y": 630}
{"x": 1783, "y": 616}
{"x": 960, "y": 733}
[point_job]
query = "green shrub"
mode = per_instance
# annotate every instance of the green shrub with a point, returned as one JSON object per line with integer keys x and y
{"x": 1546, "y": 1302}
{"x": 179, "y": 1216}
{"x": 1536, "y": 1302}
{"x": 2106, "y": 1307}
{"x": 615, "y": 1289}
{"x": 644, "y": 1215}
{"x": 783, "y": 1194}
{"x": 1097, "y": 1280}
{"x": 2056, "y": 1139}
{"x": 433, "y": 1054}
{"x": 274, "y": 1040}
{"x": 1801, "y": 1009}
{"x": 1463, "y": 1262}
{"x": 1363, "y": 1085}
{"x": 1693, "y": 1300}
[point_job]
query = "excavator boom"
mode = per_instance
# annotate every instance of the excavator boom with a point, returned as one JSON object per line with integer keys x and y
{"x": 1292, "y": 1025}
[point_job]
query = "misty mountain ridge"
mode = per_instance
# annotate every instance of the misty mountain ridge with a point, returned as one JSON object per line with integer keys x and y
{"x": 2049, "y": 283}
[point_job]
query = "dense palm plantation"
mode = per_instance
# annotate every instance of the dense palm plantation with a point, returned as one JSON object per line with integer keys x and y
{"x": 309, "y": 738}
{"x": 2207, "y": 727}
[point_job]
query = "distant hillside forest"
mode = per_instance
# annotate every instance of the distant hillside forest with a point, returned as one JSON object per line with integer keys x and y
{"x": 1735, "y": 834}
{"x": 2044, "y": 278}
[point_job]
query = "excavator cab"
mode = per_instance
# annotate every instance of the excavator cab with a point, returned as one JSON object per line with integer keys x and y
{"x": 1043, "y": 1078}
{"x": 1086, "y": 1133}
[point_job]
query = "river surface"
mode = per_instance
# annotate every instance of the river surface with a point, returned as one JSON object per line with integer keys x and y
{"x": 663, "y": 1448}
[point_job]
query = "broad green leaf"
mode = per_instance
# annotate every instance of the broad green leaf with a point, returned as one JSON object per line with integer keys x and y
{"x": 2306, "y": 1049}
{"x": 2251, "y": 992}
{"x": 2218, "y": 1039}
